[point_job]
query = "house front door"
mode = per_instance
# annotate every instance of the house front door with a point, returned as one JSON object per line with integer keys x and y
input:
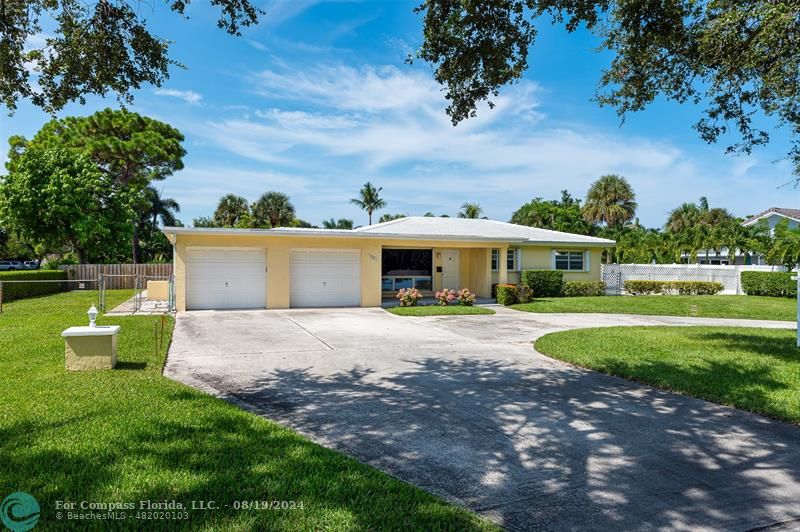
{"x": 451, "y": 269}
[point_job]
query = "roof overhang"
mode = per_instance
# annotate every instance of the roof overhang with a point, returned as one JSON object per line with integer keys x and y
{"x": 173, "y": 232}
{"x": 767, "y": 214}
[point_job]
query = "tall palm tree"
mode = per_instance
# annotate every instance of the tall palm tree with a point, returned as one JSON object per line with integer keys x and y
{"x": 684, "y": 217}
{"x": 273, "y": 209}
{"x": 230, "y": 210}
{"x": 164, "y": 209}
{"x": 369, "y": 199}
{"x": 610, "y": 201}
{"x": 341, "y": 223}
{"x": 470, "y": 210}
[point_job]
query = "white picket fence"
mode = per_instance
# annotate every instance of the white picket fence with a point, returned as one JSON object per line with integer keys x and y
{"x": 615, "y": 275}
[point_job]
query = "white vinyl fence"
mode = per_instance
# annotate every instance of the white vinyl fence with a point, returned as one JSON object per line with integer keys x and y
{"x": 615, "y": 275}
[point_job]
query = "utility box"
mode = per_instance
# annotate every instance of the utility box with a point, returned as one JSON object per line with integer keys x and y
{"x": 88, "y": 348}
{"x": 158, "y": 290}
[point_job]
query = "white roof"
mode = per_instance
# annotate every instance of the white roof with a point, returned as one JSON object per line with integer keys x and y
{"x": 467, "y": 228}
{"x": 420, "y": 228}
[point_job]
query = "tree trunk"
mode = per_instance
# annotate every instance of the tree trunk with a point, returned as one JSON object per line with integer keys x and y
{"x": 370, "y": 217}
{"x": 135, "y": 244}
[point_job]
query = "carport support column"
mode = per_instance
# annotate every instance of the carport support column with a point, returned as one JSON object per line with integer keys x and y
{"x": 502, "y": 266}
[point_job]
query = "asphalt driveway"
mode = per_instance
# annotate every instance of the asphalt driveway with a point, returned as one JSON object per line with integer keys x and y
{"x": 465, "y": 408}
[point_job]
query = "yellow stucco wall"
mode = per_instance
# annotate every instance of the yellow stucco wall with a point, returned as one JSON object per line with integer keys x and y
{"x": 475, "y": 262}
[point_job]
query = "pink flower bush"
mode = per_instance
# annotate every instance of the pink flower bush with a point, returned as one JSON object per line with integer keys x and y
{"x": 465, "y": 297}
{"x": 445, "y": 296}
{"x": 409, "y": 296}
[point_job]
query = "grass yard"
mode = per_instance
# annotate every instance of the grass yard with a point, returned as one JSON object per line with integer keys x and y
{"x": 752, "y": 369}
{"x": 130, "y": 434}
{"x": 748, "y": 307}
{"x": 438, "y": 310}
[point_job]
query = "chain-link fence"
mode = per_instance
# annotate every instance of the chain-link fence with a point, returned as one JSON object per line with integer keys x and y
{"x": 148, "y": 295}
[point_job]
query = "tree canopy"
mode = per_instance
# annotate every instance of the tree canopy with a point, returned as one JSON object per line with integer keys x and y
{"x": 59, "y": 199}
{"x": 559, "y": 215}
{"x": 737, "y": 58}
{"x": 96, "y": 48}
{"x": 611, "y": 201}
{"x": 369, "y": 199}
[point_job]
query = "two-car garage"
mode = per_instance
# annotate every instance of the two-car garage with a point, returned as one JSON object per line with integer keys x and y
{"x": 237, "y": 278}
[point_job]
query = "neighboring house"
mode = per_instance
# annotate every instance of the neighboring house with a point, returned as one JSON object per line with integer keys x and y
{"x": 294, "y": 267}
{"x": 772, "y": 216}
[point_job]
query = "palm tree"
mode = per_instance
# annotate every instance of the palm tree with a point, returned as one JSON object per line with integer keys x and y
{"x": 230, "y": 210}
{"x": 610, "y": 201}
{"x": 683, "y": 218}
{"x": 154, "y": 208}
{"x": 369, "y": 199}
{"x": 273, "y": 209}
{"x": 341, "y": 223}
{"x": 470, "y": 210}
{"x": 164, "y": 209}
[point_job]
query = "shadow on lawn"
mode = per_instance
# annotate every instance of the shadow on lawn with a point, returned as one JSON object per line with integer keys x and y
{"x": 220, "y": 454}
{"x": 555, "y": 448}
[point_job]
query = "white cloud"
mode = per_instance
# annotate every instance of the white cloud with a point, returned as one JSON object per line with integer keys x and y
{"x": 340, "y": 125}
{"x": 188, "y": 96}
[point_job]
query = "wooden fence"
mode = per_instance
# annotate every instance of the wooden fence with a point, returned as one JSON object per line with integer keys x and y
{"x": 117, "y": 276}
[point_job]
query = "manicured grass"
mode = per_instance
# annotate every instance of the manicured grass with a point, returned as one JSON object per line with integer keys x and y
{"x": 750, "y": 307}
{"x": 130, "y": 434}
{"x": 438, "y": 310}
{"x": 752, "y": 369}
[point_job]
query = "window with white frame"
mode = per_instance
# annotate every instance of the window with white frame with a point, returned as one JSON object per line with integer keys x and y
{"x": 511, "y": 259}
{"x": 495, "y": 260}
{"x": 569, "y": 260}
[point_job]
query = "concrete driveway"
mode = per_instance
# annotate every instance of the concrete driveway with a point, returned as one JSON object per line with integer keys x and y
{"x": 465, "y": 408}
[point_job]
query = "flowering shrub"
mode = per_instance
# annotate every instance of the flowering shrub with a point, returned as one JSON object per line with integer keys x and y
{"x": 466, "y": 298}
{"x": 446, "y": 296}
{"x": 409, "y": 296}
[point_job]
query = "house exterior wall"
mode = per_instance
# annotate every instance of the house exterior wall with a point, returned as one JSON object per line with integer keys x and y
{"x": 475, "y": 262}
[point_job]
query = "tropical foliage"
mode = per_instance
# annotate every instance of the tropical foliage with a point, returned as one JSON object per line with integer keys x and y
{"x": 273, "y": 209}
{"x": 231, "y": 210}
{"x": 470, "y": 210}
{"x": 610, "y": 201}
{"x": 559, "y": 215}
{"x": 341, "y": 223}
{"x": 369, "y": 199}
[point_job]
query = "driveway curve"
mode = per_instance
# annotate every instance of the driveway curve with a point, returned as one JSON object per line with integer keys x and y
{"x": 465, "y": 408}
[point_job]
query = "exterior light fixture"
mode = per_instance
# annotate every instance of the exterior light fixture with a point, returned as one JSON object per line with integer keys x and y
{"x": 92, "y": 316}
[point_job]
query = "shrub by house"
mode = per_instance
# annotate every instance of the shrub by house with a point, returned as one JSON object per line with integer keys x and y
{"x": 773, "y": 284}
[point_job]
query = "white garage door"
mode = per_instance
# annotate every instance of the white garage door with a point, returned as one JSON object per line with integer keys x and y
{"x": 325, "y": 278}
{"x": 226, "y": 278}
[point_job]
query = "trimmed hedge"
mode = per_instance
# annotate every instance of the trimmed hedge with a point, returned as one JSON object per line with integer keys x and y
{"x": 773, "y": 284}
{"x": 584, "y": 288}
{"x": 510, "y": 294}
{"x": 544, "y": 283}
{"x": 13, "y": 291}
{"x": 681, "y": 288}
{"x": 506, "y": 294}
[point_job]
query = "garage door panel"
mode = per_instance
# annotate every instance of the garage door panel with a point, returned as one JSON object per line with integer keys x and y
{"x": 225, "y": 278}
{"x": 325, "y": 278}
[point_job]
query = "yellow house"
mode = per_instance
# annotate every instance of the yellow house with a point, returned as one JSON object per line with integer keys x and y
{"x": 291, "y": 267}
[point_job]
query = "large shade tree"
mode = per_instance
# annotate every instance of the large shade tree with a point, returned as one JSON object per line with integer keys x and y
{"x": 131, "y": 149}
{"x": 558, "y": 215}
{"x": 53, "y": 52}
{"x": 273, "y": 209}
{"x": 738, "y": 59}
{"x": 610, "y": 201}
{"x": 369, "y": 199}
{"x": 58, "y": 198}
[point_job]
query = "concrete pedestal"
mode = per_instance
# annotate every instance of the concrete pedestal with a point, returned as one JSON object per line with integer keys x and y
{"x": 88, "y": 348}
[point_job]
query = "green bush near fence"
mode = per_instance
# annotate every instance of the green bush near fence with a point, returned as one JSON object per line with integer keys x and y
{"x": 544, "y": 283}
{"x": 681, "y": 288}
{"x": 584, "y": 288}
{"x": 773, "y": 284}
{"x": 17, "y": 290}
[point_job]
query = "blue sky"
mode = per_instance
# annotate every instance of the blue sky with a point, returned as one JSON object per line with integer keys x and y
{"x": 317, "y": 99}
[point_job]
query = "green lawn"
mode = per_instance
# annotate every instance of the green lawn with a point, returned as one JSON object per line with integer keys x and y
{"x": 438, "y": 310}
{"x": 752, "y": 307}
{"x": 752, "y": 369}
{"x": 131, "y": 434}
